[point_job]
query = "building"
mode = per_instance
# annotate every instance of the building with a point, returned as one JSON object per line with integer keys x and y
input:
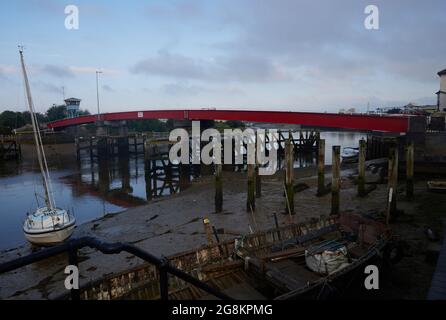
{"x": 441, "y": 94}
{"x": 412, "y": 108}
{"x": 72, "y": 107}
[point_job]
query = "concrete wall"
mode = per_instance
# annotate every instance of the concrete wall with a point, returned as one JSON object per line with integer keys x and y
{"x": 435, "y": 147}
{"x": 443, "y": 83}
{"x": 442, "y": 101}
{"x": 437, "y": 123}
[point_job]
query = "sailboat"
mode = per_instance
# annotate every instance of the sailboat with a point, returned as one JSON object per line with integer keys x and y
{"x": 48, "y": 225}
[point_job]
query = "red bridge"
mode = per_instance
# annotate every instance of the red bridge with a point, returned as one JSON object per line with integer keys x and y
{"x": 366, "y": 122}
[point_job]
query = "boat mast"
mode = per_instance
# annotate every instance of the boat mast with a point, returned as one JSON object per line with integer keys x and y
{"x": 38, "y": 139}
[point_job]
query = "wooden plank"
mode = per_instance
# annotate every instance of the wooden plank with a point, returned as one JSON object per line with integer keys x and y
{"x": 283, "y": 253}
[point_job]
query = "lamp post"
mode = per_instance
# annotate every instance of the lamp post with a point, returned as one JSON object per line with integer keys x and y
{"x": 97, "y": 92}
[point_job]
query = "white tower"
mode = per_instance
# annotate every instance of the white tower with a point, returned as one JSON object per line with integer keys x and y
{"x": 72, "y": 107}
{"x": 441, "y": 94}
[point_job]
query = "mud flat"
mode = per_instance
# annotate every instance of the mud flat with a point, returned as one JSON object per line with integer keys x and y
{"x": 59, "y": 155}
{"x": 173, "y": 224}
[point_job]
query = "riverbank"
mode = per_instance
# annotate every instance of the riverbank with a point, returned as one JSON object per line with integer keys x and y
{"x": 173, "y": 224}
{"x": 58, "y": 155}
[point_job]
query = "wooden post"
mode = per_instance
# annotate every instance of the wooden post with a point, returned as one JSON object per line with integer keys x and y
{"x": 123, "y": 146}
{"x": 258, "y": 140}
{"x": 20, "y": 149}
{"x": 102, "y": 148}
{"x": 409, "y": 169}
{"x": 336, "y": 180}
{"x": 218, "y": 189}
{"x": 148, "y": 170}
{"x": 361, "y": 168}
{"x": 392, "y": 181}
{"x": 218, "y": 241}
{"x": 321, "y": 167}
{"x": 276, "y": 223}
{"x": 91, "y": 149}
{"x": 258, "y": 183}
{"x": 289, "y": 176}
{"x": 78, "y": 151}
{"x": 208, "y": 230}
{"x": 251, "y": 202}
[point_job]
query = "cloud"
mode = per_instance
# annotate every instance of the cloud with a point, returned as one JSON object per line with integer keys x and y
{"x": 239, "y": 67}
{"x": 182, "y": 89}
{"x": 334, "y": 40}
{"x": 57, "y": 71}
{"x": 47, "y": 6}
{"x": 48, "y": 87}
{"x": 171, "y": 65}
{"x": 250, "y": 68}
{"x": 83, "y": 70}
{"x": 108, "y": 88}
{"x": 180, "y": 10}
{"x": 7, "y": 69}
{"x": 71, "y": 71}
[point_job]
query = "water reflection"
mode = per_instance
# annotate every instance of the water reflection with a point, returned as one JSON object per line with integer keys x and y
{"x": 340, "y": 138}
{"x": 93, "y": 189}
{"x": 129, "y": 181}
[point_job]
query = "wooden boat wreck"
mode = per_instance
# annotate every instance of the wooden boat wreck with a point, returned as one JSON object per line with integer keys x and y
{"x": 283, "y": 263}
{"x": 436, "y": 186}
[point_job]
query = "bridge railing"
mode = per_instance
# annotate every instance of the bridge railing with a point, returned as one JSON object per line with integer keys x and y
{"x": 71, "y": 248}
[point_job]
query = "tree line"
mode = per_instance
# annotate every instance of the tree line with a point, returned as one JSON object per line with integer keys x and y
{"x": 10, "y": 120}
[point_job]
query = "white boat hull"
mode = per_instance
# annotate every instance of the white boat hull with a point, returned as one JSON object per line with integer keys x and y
{"x": 51, "y": 237}
{"x": 350, "y": 155}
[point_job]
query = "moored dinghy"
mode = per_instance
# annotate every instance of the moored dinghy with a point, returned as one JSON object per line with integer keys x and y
{"x": 48, "y": 225}
{"x": 437, "y": 186}
{"x": 350, "y": 155}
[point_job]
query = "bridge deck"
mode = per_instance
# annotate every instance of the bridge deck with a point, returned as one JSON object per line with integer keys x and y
{"x": 389, "y": 123}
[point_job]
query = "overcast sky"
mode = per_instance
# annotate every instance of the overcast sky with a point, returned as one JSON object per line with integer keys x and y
{"x": 248, "y": 54}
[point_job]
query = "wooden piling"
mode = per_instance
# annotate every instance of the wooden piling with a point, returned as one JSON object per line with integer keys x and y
{"x": 123, "y": 147}
{"x": 102, "y": 147}
{"x": 218, "y": 188}
{"x": 135, "y": 144}
{"x": 208, "y": 231}
{"x": 148, "y": 170}
{"x": 91, "y": 149}
{"x": 217, "y": 238}
{"x": 409, "y": 169}
{"x": 361, "y": 168}
{"x": 78, "y": 151}
{"x": 258, "y": 183}
{"x": 392, "y": 181}
{"x": 321, "y": 167}
{"x": 336, "y": 180}
{"x": 251, "y": 202}
{"x": 289, "y": 176}
{"x": 276, "y": 224}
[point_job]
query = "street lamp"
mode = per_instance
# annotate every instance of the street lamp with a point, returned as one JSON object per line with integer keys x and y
{"x": 97, "y": 91}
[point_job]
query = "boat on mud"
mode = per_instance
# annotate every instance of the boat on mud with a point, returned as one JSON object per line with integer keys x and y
{"x": 350, "y": 155}
{"x": 437, "y": 186}
{"x": 48, "y": 225}
{"x": 313, "y": 260}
